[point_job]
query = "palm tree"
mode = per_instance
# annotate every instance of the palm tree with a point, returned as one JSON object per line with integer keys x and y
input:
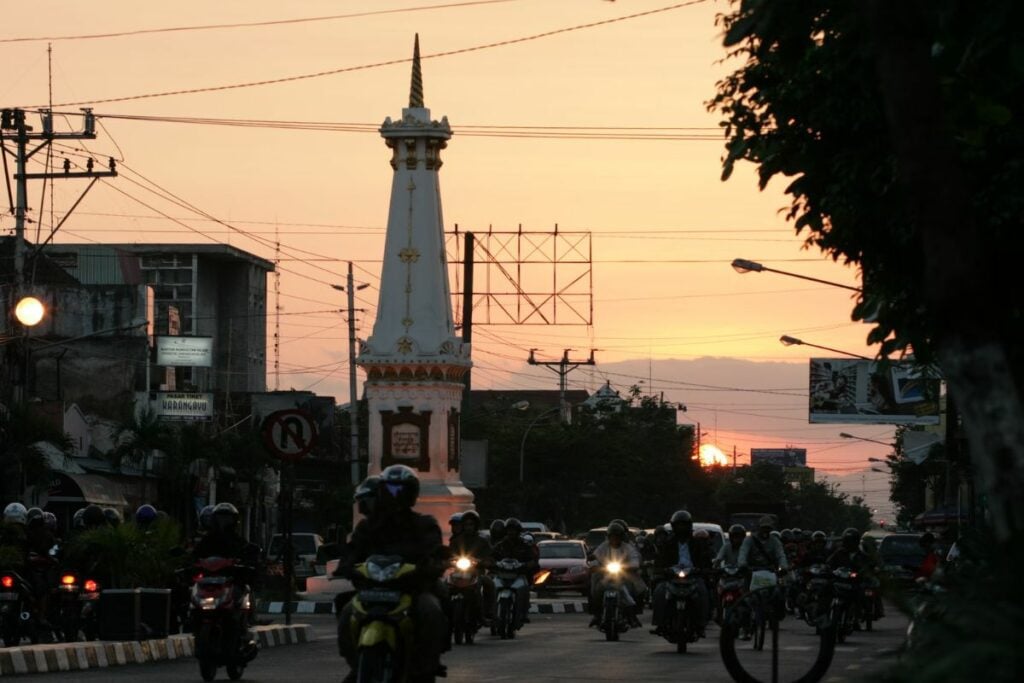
{"x": 137, "y": 437}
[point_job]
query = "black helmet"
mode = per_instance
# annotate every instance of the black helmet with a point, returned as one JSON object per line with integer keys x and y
{"x": 776, "y": 533}
{"x": 471, "y": 516}
{"x": 497, "y": 530}
{"x": 145, "y": 514}
{"x": 93, "y": 516}
{"x": 205, "y": 517}
{"x": 682, "y": 525}
{"x": 737, "y": 530}
{"x": 766, "y": 522}
{"x": 366, "y": 495}
{"x": 399, "y": 485}
{"x": 513, "y": 527}
{"x": 797, "y": 533}
{"x": 224, "y": 518}
{"x": 34, "y": 516}
{"x": 50, "y": 520}
{"x": 787, "y": 535}
{"x": 113, "y": 516}
{"x": 616, "y": 529}
{"x": 78, "y": 519}
{"x": 15, "y": 513}
{"x": 851, "y": 539}
{"x": 455, "y": 522}
{"x": 818, "y": 536}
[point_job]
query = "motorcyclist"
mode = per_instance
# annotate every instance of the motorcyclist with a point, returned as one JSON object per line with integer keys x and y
{"x": 12, "y": 537}
{"x": 931, "y": 560}
{"x": 729, "y": 554}
{"x": 616, "y": 549}
{"x": 513, "y": 546}
{"x": 762, "y": 550}
{"x": 454, "y": 526}
{"x": 43, "y": 567}
{"x": 679, "y": 552}
{"x": 113, "y": 516}
{"x": 497, "y": 532}
{"x": 469, "y": 543}
{"x": 848, "y": 554}
{"x": 816, "y": 552}
{"x": 391, "y": 527}
{"x": 145, "y": 516}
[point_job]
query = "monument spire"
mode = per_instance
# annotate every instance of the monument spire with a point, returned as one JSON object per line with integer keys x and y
{"x": 416, "y": 88}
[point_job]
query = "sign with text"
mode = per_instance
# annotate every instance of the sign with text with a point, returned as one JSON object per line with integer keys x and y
{"x": 194, "y": 352}
{"x": 405, "y": 441}
{"x": 783, "y": 457}
{"x": 851, "y": 391}
{"x": 184, "y": 406}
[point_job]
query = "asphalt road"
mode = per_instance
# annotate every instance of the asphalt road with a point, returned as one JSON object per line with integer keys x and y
{"x": 553, "y": 648}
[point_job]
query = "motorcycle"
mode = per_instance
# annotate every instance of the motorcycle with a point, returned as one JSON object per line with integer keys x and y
{"x": 464, "y": 589}
{"x": 222, "y": 608}
{"x": 682, "y": 593}
{"x": 731, "y": 587}
{"x": 868, "y": 608}
{"x": 508, "y": 581}
{"x": 15, "y": 605}
{"x": 76, "y": 608}
{"x": 615, "y": 601}
{"x": 382, "y": 626}
{"x": 814, "y": 598}
{"x": 844, "y": 602}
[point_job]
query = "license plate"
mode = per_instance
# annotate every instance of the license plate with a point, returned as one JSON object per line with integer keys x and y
{"x": 6, "y": 597}
{"x": 379, "y": 596}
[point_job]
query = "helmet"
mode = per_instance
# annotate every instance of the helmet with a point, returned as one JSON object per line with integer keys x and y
{"x": 513, "y": 527}
{"x": 112, "y": 516}
{"x": 15, "y": 513}
{"x": 224, "y": 518}
{"x": 682, "y": 524}
{"x": 497, "y": 530}
{"x": 34, "y": 515}
{"x": 808, "y": 535}
{"x": 818, "y": 536}
{"x": 366, "y": 495}
{"x": 205, "y": 517}
{"x": 737, "y": 530}
{"x": 622, "y": 523}
{"x": 616, "y": 529}
{"x": 455, "y": 521}
{"x": 400, "y": 485}
{"x": 93, "y": 517}
{"x": 766, "y": 521}
{"x": 145, "y": 514}
{"x": 777, "y": 534}
{"x": 787, "y": 535}
{"x": 78, "y": 519}
{"x": 796, "y": 533}
{"x": 660, "y": 534}
{"x": 50, "y": 520}
{"x": 470, "y": 516}
{"x": 851, "y": 539}
{"x": 701, "y": 535}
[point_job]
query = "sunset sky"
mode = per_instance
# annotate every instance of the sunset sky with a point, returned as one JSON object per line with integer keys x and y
{"x": 664, "y": 227}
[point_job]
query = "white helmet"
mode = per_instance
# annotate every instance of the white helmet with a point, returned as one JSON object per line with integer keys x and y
{"x": 15, "y": 513}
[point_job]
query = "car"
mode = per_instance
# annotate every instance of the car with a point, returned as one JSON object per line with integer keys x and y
{"x": 597, "y": 536}
{"x": 324, "y": 587}
{"x": 566, "y": 561}
{"x": 531, "y": 527}
{"x": 901, "y": 555}
{"x": 305, "y": 546}
{"x": 539, "y": 536}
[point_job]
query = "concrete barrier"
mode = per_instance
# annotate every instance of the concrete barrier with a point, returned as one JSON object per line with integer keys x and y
{"x": 30, "y": 659}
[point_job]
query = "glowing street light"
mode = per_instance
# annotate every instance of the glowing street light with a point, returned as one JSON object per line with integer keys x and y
{"x": 29, "y": 311}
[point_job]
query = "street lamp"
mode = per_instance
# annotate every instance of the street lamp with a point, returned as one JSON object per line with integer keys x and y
{"x": 862, "y": 438}
{"x": 29, "y": 311}
{"x": 741, "y": 265}
{"x": 793, "y": 341}
{"x": 522, "y": 444}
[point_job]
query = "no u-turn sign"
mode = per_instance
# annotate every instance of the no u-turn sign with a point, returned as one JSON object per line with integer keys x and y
{"x": 289, "y": 434}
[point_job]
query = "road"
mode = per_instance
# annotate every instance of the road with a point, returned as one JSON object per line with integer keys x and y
{"x": 553, "y": 648}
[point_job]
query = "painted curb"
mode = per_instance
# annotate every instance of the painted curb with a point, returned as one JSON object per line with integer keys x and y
{"x": 55, "y": 657}
{"x": 320, "y": 607}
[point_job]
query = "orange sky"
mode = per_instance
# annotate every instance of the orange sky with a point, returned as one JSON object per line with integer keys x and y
{"x": 665, "y": 228}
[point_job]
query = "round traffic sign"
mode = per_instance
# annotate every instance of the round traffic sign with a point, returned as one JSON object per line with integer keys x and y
{"x": 289, "y": 434}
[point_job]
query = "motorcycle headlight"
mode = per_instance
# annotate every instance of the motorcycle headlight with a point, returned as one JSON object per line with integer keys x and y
{"x": 613, "y": 567}
{"x": 463, "y": 563}
{"x": 382, "y": 573}
{"x": 683, "y": 573}
{"x": 207, "y": 602}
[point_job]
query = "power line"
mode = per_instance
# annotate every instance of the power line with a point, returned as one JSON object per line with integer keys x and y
{"x": 248, "y": 24}
{"x": 390, "y": 62}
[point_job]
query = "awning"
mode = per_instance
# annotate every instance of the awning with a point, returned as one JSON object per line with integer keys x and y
{"x": 83, "y": 488}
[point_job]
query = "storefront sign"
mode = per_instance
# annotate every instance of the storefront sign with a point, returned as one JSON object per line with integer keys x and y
{"x": 183, "y": 406}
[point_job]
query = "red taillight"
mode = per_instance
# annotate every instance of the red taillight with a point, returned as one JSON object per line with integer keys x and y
{"x": 195, "y": 579}
{"x": 7, "y": 582}
{"x": 91, "y": 586}
{"x": 729, "y": 597}
{"x": 853, "y": 575}
{"x": 68, "y": 579}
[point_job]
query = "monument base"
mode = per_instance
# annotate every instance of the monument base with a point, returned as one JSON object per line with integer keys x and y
{"x": 442, "y": 500}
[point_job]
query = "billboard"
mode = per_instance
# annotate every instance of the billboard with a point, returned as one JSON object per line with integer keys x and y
{"x": 184, "y": 351}
{"x": 783, "y": 457}
{"x": 183, "y": 406}
{"x": 855, "y": 391}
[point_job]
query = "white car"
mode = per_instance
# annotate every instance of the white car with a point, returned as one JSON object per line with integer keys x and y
{"x": 324, "y": 587}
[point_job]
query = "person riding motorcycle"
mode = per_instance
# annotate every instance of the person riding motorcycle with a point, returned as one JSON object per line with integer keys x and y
{"x": 469, "y": 543}
{"x": 145, "y": 516}
{"x": 679, "y": 551}
{"x": 931, "y": 560}
{"x": 12, "y": 537}
{"x": 729, "y": 554}
{"x": 514, "y": 547}
{"x": 392, "y": 527}
{"x": 497, "y": 532}
{"x": 454, "y": 526}
{"x": 816, "y": 552}
{"x": 848, "y": 554}
{"x": 762, "y": 549}
{"x": 616, "y": 549}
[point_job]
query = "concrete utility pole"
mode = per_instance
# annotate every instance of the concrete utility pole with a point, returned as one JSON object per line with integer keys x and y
{"x": 562, "y": 368}
{"x": 353, "y": 413}
{"x": 14, "y": 120}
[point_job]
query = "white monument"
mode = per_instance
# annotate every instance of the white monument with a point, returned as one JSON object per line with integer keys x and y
{"x": 414, "y": 362}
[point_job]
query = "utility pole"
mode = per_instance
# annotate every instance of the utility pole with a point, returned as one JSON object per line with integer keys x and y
{"x": 353, "y": 412}
{"x": 14, "y": 120}
{"x": 562, "y": 368}
{"x": 467, "y": 314}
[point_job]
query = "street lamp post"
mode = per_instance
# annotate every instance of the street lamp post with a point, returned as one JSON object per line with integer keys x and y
{"x": 741, "y": 265}
{"x": 845, "y": 435}
{"x": 522, "y": 444}
{"x": 793, "y": 341}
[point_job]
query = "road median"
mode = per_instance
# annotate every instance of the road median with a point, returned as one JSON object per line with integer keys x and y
{"x": 54, "y": 657}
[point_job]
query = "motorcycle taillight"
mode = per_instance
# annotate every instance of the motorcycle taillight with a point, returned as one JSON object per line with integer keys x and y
{"x": 7, "y": 581}
{"x": 67, "y": 580}
{"x": 91, "y": 586}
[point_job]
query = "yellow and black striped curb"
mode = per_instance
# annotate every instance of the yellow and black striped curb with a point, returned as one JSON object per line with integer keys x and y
{"x": 55, "y": 657}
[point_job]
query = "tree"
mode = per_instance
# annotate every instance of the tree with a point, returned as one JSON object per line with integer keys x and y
{"x": 899, "y": 124}
{"x": 22, "y": 461}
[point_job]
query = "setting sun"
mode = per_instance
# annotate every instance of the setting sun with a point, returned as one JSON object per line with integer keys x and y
{"x": 710, "y": 455}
